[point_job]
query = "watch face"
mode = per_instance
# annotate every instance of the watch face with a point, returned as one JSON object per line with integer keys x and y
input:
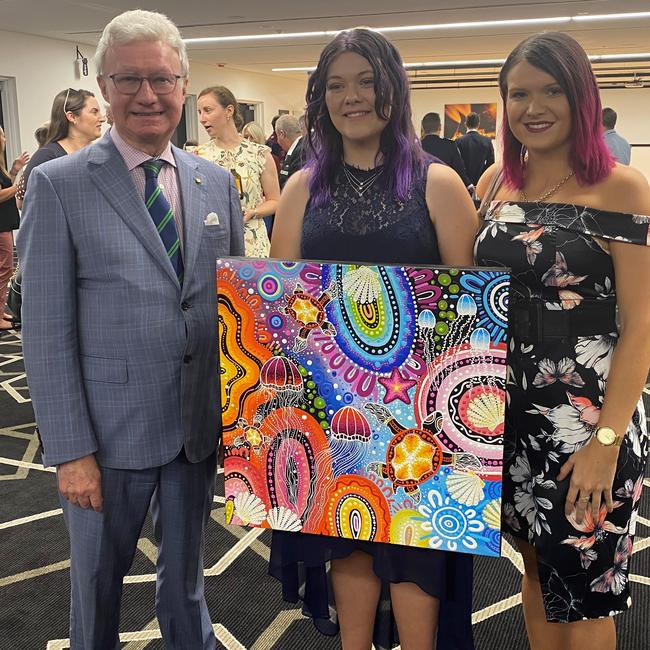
{"x": 606, "y": 436}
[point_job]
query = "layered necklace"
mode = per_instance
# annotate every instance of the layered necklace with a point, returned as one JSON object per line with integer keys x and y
{"x": 361, "y": 186}
{"x": 546, "y": 195}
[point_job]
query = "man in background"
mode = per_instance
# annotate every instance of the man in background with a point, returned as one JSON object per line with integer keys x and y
{"x": 290, "y": 138}
{"x": 118, "y": 247}
{"x": 476, "y": 149}
{"x": 442, "y": 148}
{"x": 617, "y": 144}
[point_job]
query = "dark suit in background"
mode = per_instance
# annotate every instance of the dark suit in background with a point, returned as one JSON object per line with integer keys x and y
{"x": 293, "y": 162}
{"x": 446, "y": 150}
{"x": 477, "y": 153}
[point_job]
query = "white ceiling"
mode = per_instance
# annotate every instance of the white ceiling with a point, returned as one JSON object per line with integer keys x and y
{"x": 82, "y": 22}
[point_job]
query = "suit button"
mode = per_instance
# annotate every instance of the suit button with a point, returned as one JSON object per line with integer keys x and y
{"x": 185, "y": 305}
{"x": 187, "y": 358}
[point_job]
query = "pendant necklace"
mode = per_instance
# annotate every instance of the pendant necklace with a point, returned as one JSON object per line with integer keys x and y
{"x": 552, "y": 191}
{"x": 361, "y": 186}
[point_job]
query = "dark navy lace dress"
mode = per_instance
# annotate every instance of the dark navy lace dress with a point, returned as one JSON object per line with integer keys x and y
{"x": 373, "y": 228}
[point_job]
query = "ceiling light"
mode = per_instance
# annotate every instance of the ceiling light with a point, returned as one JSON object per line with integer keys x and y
{"x": 486, "y": 63}
{"x": 485, "y": 24}
{"x": 596, "y": 17}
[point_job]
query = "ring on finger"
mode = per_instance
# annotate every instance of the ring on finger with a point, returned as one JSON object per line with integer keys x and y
{"x": 584, "y": 499}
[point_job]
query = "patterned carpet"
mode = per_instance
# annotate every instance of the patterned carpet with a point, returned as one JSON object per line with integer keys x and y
{"x": 246, "y": 607}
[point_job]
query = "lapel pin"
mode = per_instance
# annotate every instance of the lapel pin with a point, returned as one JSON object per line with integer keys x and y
{"x": 197, "y": 180}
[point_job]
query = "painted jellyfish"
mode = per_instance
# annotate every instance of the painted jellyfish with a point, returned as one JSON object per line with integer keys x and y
{"x": 427, "y": 326}
{"x": 350, "y": 435}
{"x": 281, "y": 378}
{"x": 462, "y": 326}
{"x": 282, "y": 382}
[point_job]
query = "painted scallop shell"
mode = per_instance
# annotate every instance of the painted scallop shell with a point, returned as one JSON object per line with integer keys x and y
{"x": 250, "y": 509}
{"x": 486, "y": 410}
{"x": 465, "y": 487}
{"x": 492, "y": 514}
{"x": 282, "y": 518}
{"x": 362, "y": 285}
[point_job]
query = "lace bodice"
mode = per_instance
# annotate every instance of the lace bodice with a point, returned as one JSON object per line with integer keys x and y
{"x": 371, "y": 228}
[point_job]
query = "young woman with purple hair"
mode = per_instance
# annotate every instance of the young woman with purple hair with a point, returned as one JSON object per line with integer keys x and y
{"x": 570, "y": 223}
{"x": 369, "y": 194}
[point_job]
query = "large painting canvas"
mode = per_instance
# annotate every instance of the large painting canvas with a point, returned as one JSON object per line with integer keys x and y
{"x": 364, "y": 402}
{"x": 456, "y": 114}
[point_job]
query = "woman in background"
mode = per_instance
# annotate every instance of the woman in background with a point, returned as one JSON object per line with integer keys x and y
{"x": 574, "y": 228}
{"x": 250, "y": 164}
{"x": 368, "y": 194}
{"x": 253, "y": 131}
{"x": 9, "y": 221}
{"x": 75, "y": 122}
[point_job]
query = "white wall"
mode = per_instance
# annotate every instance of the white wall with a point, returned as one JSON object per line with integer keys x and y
{"x": 631, "y": 104}
{"x": 42, "y": 67}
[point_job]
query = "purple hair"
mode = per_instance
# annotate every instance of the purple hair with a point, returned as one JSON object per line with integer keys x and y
{"x": 563, "y": 58}
{"x": 402, "y": 157}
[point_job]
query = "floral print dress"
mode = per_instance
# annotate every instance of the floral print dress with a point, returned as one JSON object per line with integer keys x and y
{"x": 246, "y": 163}
{"x": 560, "y": 262}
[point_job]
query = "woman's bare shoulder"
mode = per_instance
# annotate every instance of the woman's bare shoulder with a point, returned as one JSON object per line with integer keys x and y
{"x": 626, "y": 189}
{"x": 486, "y": 179}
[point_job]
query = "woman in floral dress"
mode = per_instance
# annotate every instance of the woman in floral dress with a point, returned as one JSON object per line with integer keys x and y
{"x": 570, "y": 224}
{"x": 250, "y": 163}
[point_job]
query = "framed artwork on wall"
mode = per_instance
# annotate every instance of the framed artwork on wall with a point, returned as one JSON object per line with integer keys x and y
{"x": 455, "y": 115}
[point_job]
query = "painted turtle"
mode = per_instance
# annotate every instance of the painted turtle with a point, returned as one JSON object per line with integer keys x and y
{"x": 414, "y": 455}
{"x": 309, "y": 313}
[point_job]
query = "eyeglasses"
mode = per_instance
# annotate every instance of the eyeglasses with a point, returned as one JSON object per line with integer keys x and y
{"x": 130, "y": 84}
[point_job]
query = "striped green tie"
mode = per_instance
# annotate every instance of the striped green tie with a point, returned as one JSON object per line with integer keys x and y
{"x": 162, "y": 215}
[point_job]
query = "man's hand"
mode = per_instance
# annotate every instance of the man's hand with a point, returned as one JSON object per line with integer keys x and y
{"x": 80, "y": 482}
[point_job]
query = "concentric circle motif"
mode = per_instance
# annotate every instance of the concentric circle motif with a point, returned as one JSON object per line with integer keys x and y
{"x": 469, "y": 391}
{"x": 450, "y": 522}
{"x": 298, "y": 465}
{"x": 242, "y": 476}
{"x": 270, "y": 287}
{"x": 376, "y": 335}
{"x": 286, "y": 269}
{"x": 490, "y": 292}
{"x": 406, "y": 529}
{"x": 240, "y": 352}
{"x": 357, "y": 510}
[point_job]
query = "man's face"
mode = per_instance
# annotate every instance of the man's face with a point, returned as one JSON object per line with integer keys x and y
{"x": 145, "y": 120}
{"x": 283, "y": 140}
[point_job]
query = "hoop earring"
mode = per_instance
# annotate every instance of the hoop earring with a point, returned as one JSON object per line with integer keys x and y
{"x": 523, "y": 155}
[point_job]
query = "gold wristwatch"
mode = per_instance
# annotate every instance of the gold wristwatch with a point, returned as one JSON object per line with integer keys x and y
{"x": 607, "y": 437}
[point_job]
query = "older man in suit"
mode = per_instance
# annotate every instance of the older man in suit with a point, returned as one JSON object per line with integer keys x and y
{"x": 118, "y": 247}
{"x": 290, "y": 138}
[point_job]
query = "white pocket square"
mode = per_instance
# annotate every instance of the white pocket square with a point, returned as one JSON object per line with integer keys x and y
{"x": 212, "y": 219}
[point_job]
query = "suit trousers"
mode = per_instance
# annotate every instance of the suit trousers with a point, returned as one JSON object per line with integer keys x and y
{"x": 102, "y": 546}
{"x": 6, "y": 264}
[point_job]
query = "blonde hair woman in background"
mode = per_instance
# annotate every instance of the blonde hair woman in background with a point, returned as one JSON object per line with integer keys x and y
{"x": 250, "y": 163}
{"x": 254, "y": 132}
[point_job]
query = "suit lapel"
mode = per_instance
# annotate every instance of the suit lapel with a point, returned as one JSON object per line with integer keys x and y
{"x": 109, "y": 173}
{"x": 193, "y": 193}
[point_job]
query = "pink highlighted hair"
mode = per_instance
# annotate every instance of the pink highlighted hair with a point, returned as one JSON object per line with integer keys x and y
{"x": 563, "y": 58}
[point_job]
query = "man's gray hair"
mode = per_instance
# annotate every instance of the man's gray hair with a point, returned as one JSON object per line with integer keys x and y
{"x": 139, "y": 25}
{"x": 289, "y": 124}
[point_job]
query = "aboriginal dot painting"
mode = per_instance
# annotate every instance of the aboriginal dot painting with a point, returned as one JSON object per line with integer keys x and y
{"x": 364, "y": 401}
